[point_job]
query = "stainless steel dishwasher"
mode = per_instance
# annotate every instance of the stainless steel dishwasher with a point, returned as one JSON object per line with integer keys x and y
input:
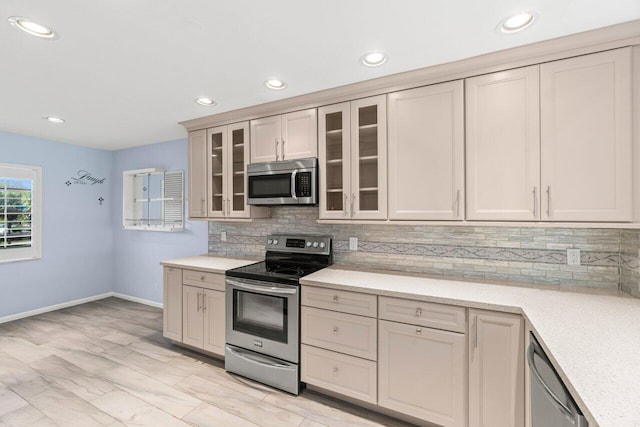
{"x": 551, "y": 403}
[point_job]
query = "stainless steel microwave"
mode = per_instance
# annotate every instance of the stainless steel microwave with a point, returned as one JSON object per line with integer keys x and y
{"x": 289, "y": 182}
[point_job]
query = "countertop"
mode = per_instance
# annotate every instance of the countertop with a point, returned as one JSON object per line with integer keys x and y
{"x": 593, "y": 339}
{"x": 211, "y": 264}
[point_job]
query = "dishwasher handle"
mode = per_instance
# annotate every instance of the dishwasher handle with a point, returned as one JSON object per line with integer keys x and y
{"x": 578, "y": 418}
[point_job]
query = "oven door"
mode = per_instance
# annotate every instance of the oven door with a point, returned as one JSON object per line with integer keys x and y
{"x": 263, "y": 317}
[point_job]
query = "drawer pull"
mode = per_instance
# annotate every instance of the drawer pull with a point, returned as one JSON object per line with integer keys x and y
{"x": 335, "y": 370}
{"x": 335, "y": 329}
{"x": 418, "y": 312}
{"x": 202, "y": 278}
{"x": 419, "y": 331}
{"x": 335, "y": 298}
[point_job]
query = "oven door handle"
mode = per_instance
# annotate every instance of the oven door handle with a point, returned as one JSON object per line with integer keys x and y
{"x": 275, "y": 290}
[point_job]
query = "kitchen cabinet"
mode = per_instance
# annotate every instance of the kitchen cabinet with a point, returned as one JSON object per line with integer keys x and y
{"x": 285, "y": 137}
{"x": 503, "y": 145}
{"x": 426, "y": 153}
{"x": 197, "y": 176}
{"x": 586, "y": 137}
{"x": 172, "y": 303}
{"x": 496, "y": 369}
{"x": 339, "y": 342}
{"x": 228, "y": 155}
{"x": 421, "y": 372}
{"x": 352, "y": 152}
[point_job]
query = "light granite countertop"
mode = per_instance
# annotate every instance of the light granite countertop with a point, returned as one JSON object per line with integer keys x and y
{"x": 593, "y": 339}
{"x": 211, "y": 264}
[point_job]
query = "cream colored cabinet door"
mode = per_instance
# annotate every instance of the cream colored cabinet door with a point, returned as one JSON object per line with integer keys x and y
{"x": 214, "y": 321}
{"x": 368, "y": 199}
{"x": 503, "y": 145}
{"x": 421, "y": 372}
{"x": 426, "y": 153}
{"x": 192, "y": 316}
{"x": 172, "y": 303}
{"x": 496, "y": 369}
{"x": 334, "y": 158}
{"x": 238, "y": 156}
{"x": 266, "y": 139}
{"x": 197, "y": 174}
{"x": 586, "y": 144}
{"x": 299, "y": 135}
{"x": 217, "y": 170}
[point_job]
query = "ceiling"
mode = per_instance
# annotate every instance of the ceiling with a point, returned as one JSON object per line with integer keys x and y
{"x": 123, "y": 73}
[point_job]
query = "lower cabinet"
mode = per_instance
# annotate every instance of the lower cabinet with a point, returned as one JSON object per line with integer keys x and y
{"x": 421, "y": 372}
{"x": 194, "y": 309}
{"x": 496, "y": 369}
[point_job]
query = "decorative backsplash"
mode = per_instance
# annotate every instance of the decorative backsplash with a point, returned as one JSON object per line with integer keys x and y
{"x": 609, "y": 257}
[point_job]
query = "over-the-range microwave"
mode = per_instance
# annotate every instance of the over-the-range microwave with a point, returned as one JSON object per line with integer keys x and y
{"x": 288, "y": 182}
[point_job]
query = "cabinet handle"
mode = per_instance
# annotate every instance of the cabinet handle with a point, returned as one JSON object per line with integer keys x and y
{"x": 353, "y": 199}
{"x": 204, "y": 301}
{"x": 535, "y": 201}
{"x": 457, "y": 203}
{"x": 228, "y": 207}
{"x": 418, "y": 312}
{"x": 335, "y": 298}
{"x": 276, "y": 149}
{"x": 335, "y": 329}
{"x": 282, "y": 148}
{"x": 202, "y": 206}
{"x": 346, "y": 203}
{"x": 199, "y": 307}
{"x": 548, "y": 200}
{"x": 475, "y": 332}
{"x": 418, "y": 331}
{"x": 223, "y": 206}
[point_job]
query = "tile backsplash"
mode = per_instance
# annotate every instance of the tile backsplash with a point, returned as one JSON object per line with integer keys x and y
{"x": 609, "y": 257}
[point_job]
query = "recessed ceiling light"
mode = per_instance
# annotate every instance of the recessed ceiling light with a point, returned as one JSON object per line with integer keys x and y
{"x": 207, "y": 102}
{"x": 31, "y": 27}
{"x": 275, "y": 84}
{"x": 373, "y": 59}
{"x": 517, "y": 22}
{"x": 53, "y": 119}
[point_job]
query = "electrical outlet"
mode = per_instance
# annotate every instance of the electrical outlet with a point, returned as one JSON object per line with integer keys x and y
{"x": 573, "y": 256}
{"x": 223, "y": 236}
{"x": 353, "y": 243}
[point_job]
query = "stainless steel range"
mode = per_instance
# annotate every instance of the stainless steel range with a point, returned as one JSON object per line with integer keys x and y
{"x": 263, "y": 310}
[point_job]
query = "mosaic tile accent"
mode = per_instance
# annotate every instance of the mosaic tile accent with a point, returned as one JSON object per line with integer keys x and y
{"x": 609, "y": 258}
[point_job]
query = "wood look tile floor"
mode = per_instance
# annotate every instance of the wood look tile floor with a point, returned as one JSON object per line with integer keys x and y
{"x": 106, "y": 363}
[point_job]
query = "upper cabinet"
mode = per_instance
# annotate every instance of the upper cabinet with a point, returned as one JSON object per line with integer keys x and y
{"x": 285, "y": 137}
{"x": 352, "y": 157}
{"x": 586, "y": 130}
{"x": 503, "y": 145}
{"x": 426, "y": 153}
{"x": 197, "y": 175}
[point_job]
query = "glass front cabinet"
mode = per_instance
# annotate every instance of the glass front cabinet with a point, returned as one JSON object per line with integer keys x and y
{"x": 352, "y": 154}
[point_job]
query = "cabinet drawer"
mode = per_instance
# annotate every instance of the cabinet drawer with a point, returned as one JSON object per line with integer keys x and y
{"x": 344, "y": 301}
{"x": 438, "y": 316}
{"x": 213, "y": 281}
{"x": 348, "y": 375}
{"x": 346, "y": 333}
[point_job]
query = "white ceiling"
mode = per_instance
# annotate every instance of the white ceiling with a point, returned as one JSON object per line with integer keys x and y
{"x": 123, "y": 73}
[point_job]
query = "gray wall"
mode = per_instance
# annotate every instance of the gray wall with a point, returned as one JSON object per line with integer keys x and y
{"x": 526, "y": 254}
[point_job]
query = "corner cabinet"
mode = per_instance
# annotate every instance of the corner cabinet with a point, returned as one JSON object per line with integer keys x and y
{"x": 353, "y": 156}
{"x": 285, "y": 137}
{"x": 586, "y": 131}
{"x": 426, "y": 153}
{"x": 496, "y": 369}
{"x": 197, "y": 175}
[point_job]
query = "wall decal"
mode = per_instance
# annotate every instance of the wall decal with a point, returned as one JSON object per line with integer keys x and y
{"x": 100, "y": 200}
{"x": 84, "y": 177}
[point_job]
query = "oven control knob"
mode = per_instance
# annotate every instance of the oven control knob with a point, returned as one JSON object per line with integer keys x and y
{"x": 308, "y": 244}
{"x": 322, "y": 245}
{"x": 269, "y": 242}
{"x": 315, "y": 244}
{"x": 275, "y": 241}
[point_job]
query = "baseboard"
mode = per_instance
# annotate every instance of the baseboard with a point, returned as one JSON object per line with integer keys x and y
{"x": 138, "y": 300}
{"x": 54, "y": 307}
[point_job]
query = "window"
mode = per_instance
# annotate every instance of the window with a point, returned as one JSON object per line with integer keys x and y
{"x": 20, "y": 231}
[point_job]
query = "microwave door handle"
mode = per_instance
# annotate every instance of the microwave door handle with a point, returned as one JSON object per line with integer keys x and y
{"x": 293, "y": 184}
{"x": 554, "y": 399}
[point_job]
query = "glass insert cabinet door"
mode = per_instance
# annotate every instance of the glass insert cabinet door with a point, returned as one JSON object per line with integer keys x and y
{"x": 353, "y": 154}
{"x": 228, "y": 152}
